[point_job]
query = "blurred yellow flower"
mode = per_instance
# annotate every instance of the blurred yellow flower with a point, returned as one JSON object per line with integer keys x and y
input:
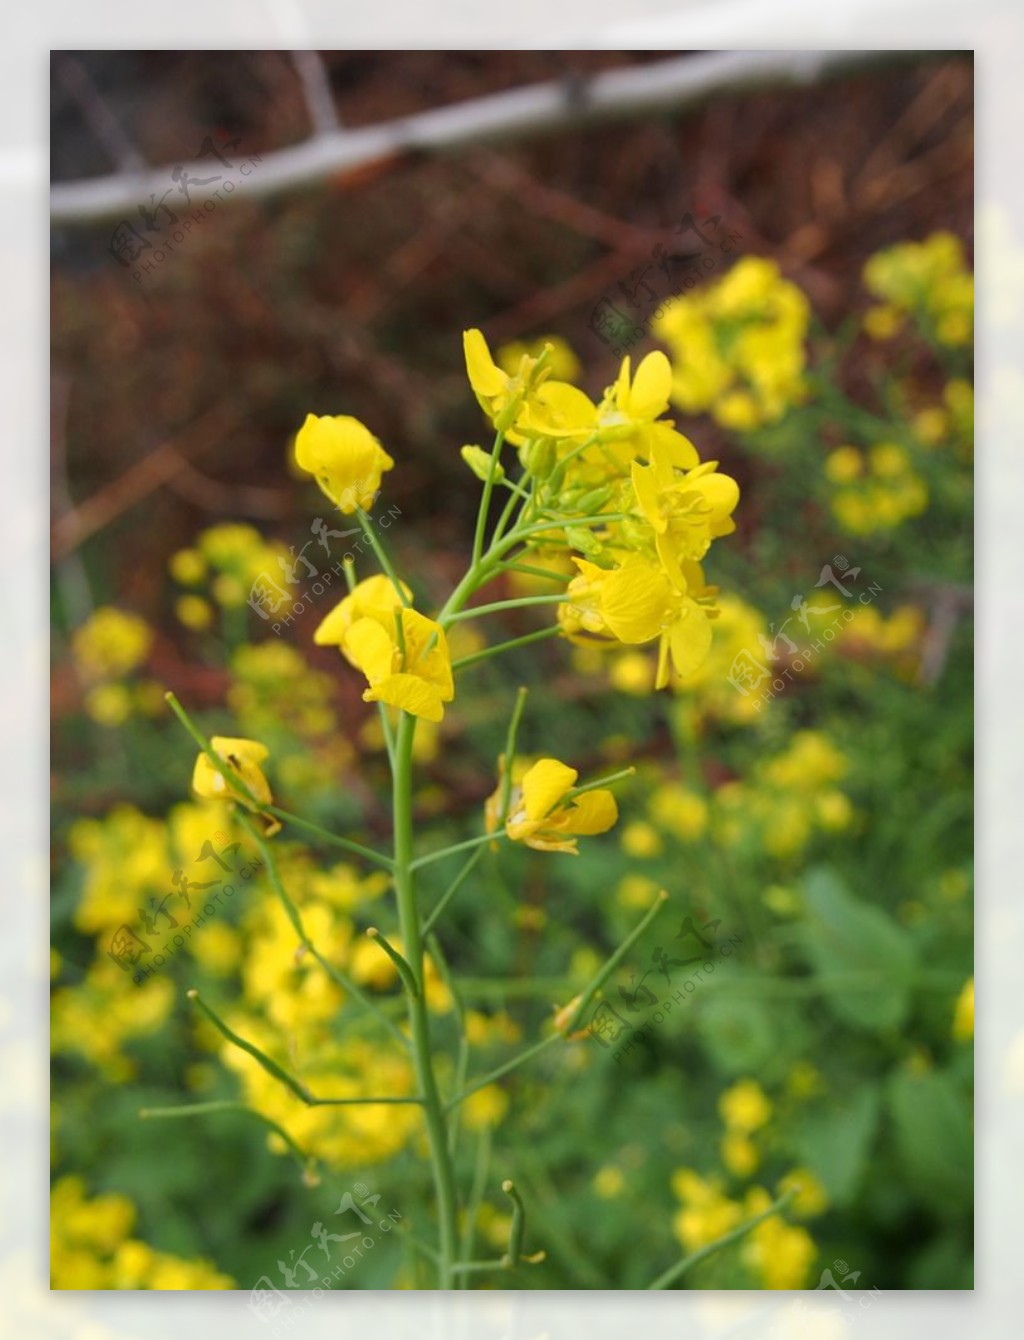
{"x": 609, "y": 1182}
{"x": 844, "y": 465}
{"x": 485, "y": 1107}
{"x": 110, "y": 644}
{"x": 561, "y": 360}
{"x": 810, "y": 1198}
{"x": 680, "y": 811}
{"x": 927, "y": 281}
{"x": 780, "y": 1253}
{"x": 739, "y": 1154}
{"x": 641, "y": 840}
{"x": 737, "y": 347}
{"x": 109, "y": 704}
{"x": 745, "y": 1107}
{"x": 963, "y": 1013}
{"x": 194, "y": 612}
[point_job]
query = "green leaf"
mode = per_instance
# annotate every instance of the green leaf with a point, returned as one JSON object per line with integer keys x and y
{"x": 739, "y": 1035}
{"x": 836, "y": 1143}
{"x": 932, "y": 1127}
{"x": 864, "y": 958}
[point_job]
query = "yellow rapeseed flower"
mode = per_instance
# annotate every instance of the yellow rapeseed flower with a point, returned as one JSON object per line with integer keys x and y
{"x": 243, "y": 758}
{"x": 745, "y": 1107}
{"x": 637, "y": 602}
{"x": 546, "y": 816}
{"x": 345, "y": 457}
{"x": 403, "y": 654}
{"x": 686, "y": 510}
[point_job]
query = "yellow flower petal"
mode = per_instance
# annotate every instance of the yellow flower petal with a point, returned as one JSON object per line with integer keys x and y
{"x": 648, "y": 396}
{"x": 544, "y": 786}
{"x": 690, "y": 639}
{"x": 485, "y": 377}
{"x": 592, "y": 812}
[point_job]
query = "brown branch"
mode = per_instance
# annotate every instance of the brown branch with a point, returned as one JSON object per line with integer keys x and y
{"x": 138, "y": 482}
{"x": 668, "y": 84}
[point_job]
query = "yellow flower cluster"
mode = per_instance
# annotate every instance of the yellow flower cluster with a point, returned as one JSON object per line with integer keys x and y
{"x": 129, "y": 857}
{"x": 90, "y": 1247}
{"x": 128, "y": 860}
{"x": 951, "y": 422}
{"x": 876, "y": 491}
{"x": 638, "y": 578}
{"x": 274, "y": 685}
{"x": 744, "y": 1108}
{"x": 291, "y": 1007}
{"x": 737, "y": 347}
{"x": 101, "y": 1014}
{"x": 927, "y": 282}
{"x": 786, "y": 799}
{"x": 220, "y": 569}
{"x": 896, "y": 638}
{"x": 111, "y": 643}
{"x": 107, "y": 650}
{"x": 779, "y": 1255}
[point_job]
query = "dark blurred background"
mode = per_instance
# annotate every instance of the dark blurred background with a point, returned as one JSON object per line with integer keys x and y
{"x": 175, "y": 397}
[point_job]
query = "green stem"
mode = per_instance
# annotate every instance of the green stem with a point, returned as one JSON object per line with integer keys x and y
{"x": 272, "y": 1068}
{"x": 381, "y": 555}
{"x": 476, "y": 1267}
{"x": 227, "y": 1105}
{"x": 527, "y": 497}
{"x": 404, "y": 970}
{"x": 517, "y": 1229}
{"x": 485, "y": 499}
{"x": 475, "y": 657}
{"x": 355, "y": 848}
{"x": 412, "y": 938}
{"x": 688, "y": 1262}
{"x": 520, "y": 602}
{"x": 292, "y": 912}
{"x": 505, "y": 1069}
{"x": 606, "y": 971}
{"x": 515, "y": 536}
{"x": 433, "y": 856}
{"x": 600, "y": 781}
{"x": 476, "y": 1191}
{"x": 510, "y": 754}
{"x": 532, "y": 571}
{"x": 450, "y": 892}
